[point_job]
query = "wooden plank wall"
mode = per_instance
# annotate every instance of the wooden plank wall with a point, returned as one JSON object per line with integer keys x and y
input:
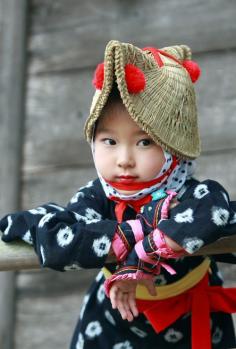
{"x": 67, "y": 40}
{"x": 12, "y": 85}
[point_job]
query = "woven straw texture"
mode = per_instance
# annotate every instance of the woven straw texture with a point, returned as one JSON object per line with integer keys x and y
{"x": 165, "y": 109}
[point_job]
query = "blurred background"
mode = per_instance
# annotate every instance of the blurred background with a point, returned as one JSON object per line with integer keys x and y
{"x": 48, "y": 52}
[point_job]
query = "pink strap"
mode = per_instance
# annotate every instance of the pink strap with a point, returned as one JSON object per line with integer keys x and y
{"x": 163, "y": 249}
{"x": 142, "y": 254}
{"x": 159, "y": 239}
{"x": 137, "y": 229}
{"x": 144, "y": 257}
{"x": 166, "y": 204}
{"x": 118, "y": 247}
{"x": 168, "y": 268}
{"x": 139, "y": 275}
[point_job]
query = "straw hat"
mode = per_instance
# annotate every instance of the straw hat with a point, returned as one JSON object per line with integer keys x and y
{"x": 156, "y": 87}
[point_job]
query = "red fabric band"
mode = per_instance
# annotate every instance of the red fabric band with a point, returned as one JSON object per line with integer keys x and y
{"x": 147, "y": 184}
{"x": 121, "y": 205}
{"x": 200, "y": 300}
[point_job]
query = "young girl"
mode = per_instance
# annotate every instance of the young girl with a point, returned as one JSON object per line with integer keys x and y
{"x": 145, "y": 211}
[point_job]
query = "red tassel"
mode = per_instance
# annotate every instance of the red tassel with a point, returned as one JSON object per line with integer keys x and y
{"x": 135, "y": 78}
{"x": 193, "y": 69}
{"x": 98, "y": 76}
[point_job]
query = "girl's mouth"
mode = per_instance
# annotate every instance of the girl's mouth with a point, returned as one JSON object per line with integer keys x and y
{"x": 126, "y": 179}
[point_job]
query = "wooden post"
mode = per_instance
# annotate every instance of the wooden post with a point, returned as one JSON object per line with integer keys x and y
{"x": 12, "y": 100}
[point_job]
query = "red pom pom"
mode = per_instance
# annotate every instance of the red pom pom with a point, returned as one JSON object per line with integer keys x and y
{"x": 193, "y": 69}
{"x": 135, "y": 78}
{"x": 98, "y": 76}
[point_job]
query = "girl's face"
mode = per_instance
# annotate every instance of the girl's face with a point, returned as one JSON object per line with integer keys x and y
{"x": 122, "y": 151}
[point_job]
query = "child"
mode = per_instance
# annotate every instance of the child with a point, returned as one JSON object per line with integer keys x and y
{"x": 145, "y": 209}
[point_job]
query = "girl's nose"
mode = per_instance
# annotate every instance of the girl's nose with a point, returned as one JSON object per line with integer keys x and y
{"x": 125, "y": 159}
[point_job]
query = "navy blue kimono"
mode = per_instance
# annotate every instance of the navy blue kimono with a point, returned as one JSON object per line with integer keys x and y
{"x": 80, "y": 235}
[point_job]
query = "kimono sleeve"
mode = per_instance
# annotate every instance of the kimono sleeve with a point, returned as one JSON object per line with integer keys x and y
{"x": 78, "y": 235}
{"x": 205, "y": 215}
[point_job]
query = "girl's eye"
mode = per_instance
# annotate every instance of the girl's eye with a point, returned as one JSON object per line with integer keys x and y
{"x": 144, "y": 142}
{"x": 109, "y": 141}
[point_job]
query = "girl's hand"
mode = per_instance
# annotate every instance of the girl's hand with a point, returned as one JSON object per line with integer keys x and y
{"x": 122, "y": 295}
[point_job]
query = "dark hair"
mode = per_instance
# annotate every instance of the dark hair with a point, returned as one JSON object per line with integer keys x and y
{"x": 114, "y": 95}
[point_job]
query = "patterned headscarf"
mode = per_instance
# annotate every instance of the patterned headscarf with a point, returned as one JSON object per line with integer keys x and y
{"x": 183, "y": 171}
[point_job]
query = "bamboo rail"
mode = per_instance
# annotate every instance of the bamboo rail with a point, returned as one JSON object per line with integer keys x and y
{"x": 20, "y": 256}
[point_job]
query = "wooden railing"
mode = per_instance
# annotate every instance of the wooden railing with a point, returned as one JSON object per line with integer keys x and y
{"x": 20, "y": 256}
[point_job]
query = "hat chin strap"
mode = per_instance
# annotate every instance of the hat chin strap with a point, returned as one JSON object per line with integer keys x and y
{"x": 146, "y": 184}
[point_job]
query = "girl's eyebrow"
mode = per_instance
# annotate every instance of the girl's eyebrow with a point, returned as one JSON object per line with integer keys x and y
{"x": 105, "y": 130}
{"x": 141, "y": 133}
